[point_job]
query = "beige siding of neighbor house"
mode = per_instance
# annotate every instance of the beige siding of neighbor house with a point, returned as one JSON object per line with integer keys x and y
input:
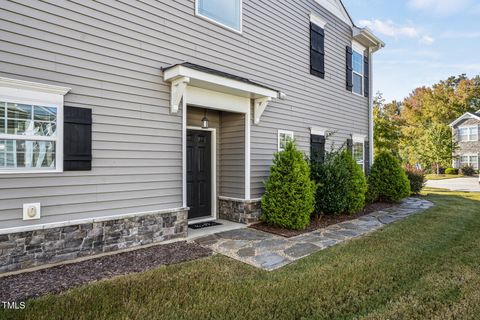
{"x": 111, "y": 54}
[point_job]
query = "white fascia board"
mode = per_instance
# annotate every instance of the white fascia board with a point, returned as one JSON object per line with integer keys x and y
{"x": 319, "y": 21}
{"x": 366, "y": 37}
{"x": 217, "y": 100}
{"x": 464, "y": 116}
{"x": 182, "y": 71}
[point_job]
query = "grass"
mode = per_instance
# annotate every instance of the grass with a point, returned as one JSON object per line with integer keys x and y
{"x": 443, "y": 176}
{"x": 426, "y": 266}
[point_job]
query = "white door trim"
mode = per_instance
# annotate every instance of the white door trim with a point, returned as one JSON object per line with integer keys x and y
{"x": 214, "y": 168}
{"x": 247, "y": 154}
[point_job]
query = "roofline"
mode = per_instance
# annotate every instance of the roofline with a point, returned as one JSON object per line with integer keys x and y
{"x": 369, "y": 33}
{"x": 462, "y": 117}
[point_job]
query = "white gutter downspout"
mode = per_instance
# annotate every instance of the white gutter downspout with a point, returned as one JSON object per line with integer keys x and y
{"x": 370, "y": 109}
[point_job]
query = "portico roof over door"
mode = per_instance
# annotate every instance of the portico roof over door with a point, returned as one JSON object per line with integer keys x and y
{"x": 200, "y": 86}
{"x": 204, "y": 87}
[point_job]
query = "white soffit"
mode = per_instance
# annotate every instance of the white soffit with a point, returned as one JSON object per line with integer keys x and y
{"x": 337, "y": 8}
{"x": 197, "y": 87}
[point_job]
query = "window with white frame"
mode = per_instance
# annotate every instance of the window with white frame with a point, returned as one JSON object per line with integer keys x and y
{"x": 31, "y": 127}
{"x": 283, "y": 138}
{"x": 358, "y": 150}
{"x": 469, "y": 160}
{"x": 227, "y": 13}
{"x": 468, "y": 133}
{"x": 357, "y": 66}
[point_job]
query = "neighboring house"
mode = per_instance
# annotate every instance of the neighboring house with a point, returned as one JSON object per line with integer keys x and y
{"x": 122, "y": 121}
{"x": 466, "y": 133}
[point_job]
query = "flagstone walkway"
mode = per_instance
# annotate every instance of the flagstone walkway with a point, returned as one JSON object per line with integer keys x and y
{"x": 269, "y": 252}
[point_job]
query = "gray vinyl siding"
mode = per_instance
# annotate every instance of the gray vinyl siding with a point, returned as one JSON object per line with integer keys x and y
{"x": 466, "y": 147}
{"x": 111, "y": 54}
{"x": 233, "y": 155}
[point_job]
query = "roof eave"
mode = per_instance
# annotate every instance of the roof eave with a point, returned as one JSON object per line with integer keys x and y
{"x": 366, "y": 37}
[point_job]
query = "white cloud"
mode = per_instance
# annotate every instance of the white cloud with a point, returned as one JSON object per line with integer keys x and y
{"x": 428, "y": 40}
{"x": 441, "y": 7}
{"x": 390, "y": 29}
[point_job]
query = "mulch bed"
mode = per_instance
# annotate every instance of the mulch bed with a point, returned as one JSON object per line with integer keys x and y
{"x": 321, "y": 221}
{"x": 60, "y": 278}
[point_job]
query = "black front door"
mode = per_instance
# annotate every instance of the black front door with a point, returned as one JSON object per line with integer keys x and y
{"x": 199, "y": 174}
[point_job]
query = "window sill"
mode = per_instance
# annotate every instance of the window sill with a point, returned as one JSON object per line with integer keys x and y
{"x": 16, "y": 172}
{"x": 219, "y": 24}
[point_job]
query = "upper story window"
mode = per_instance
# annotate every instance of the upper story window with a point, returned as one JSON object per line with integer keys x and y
{"x": 227, "y": 13}
{"x": 317, "y": 46}
{"x": 468, "y": 133}
{"x": 357, "y": 65}
{"x": 358, "y": 70}
{"x": 31, "y": 127}
{"x": 283, "y": 138}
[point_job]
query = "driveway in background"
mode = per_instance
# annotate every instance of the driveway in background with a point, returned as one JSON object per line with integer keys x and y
{"x": 461, "y": 184}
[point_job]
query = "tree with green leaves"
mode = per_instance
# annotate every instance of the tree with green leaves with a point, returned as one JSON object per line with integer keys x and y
{"x": 387, "y": 129}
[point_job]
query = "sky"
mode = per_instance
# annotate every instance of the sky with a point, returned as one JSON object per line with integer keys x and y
{"x": 426, "y": 41}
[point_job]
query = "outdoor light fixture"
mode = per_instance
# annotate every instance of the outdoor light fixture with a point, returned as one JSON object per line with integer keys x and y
{"x": 205, "y": 121}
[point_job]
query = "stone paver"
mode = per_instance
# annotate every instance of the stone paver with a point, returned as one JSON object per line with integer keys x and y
{"x": 270, "y": 252}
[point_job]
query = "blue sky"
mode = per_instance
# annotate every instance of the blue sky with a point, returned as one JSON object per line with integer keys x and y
{"x": 427, "y": 41}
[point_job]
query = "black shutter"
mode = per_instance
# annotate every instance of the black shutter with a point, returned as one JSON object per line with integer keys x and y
{"x": 350, "y": 146}
{"x": 317, "y": 148}
{"x": 367, "y": 157}
{"x": 349, "y": 68}
{"x": 366, "y": 76}
{"x": 77, "y": 139}
{"x": 317, "y": 51}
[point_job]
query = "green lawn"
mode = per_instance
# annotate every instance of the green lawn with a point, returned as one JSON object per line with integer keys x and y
{"x": 443, "y": 176}
{"x": 427, "y": 266}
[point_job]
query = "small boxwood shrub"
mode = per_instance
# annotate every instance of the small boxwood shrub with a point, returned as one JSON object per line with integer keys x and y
{"x": 416, "y": 177}
{"x": 467, "y": 171}
{"x": 452, "y": 171}
{"x": 357, "y": 184}
{"x": 387, "y": 180}
{"x": 341, "y": 184}
{"x": 332, "y": 178}
{"x": 289, "y": 198}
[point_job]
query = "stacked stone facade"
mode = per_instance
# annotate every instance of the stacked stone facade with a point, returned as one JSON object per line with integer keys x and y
{"x": 238, "y": 210}
{"x": 51, "y": 245}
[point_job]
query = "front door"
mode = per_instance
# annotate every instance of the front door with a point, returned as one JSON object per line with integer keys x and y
{"x": 199, "y": 174}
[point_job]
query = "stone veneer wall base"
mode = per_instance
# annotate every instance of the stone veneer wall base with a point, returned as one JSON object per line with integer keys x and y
{"x": 239, "y": 210}
{"x": 28, "y": 249}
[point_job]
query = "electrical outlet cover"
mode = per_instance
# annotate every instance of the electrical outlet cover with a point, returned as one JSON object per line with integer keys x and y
{"x": 31, "y": 211}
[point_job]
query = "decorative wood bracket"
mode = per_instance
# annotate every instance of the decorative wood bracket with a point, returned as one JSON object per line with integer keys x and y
{"x": 179, "y": 89}
{"x": 259, "y": 107}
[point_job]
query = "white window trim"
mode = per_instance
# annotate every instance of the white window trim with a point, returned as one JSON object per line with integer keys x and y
{"x": 286, "y": 132}
{"x": 25, "y": 92}
{"x": 357, "y": 138}
{"x": 358, "y": 48}
{"x": 318, "y": 131}
{"x": 469, "y": 155}
{"x": 198, "y": 14}
{"x": 469, "y": 136}
{"x": 319, "y": 21}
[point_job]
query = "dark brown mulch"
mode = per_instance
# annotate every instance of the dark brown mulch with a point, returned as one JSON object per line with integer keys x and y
{"x": 321, "y": 221}
{"x": 60, "y": 278}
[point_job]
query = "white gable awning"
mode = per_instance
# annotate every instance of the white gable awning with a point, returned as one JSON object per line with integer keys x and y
{"x": 205, "y": 87}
